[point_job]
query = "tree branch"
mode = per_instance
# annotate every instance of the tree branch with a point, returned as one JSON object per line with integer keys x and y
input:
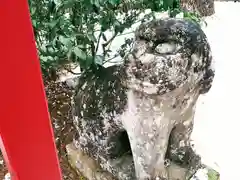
{"x": 107, "y": 43}
{"x": 110, "y": 40}
{"x": 98, "y": 41}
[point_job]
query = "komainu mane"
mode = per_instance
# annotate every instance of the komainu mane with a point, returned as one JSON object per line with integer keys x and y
{"x": 133, "y": 118}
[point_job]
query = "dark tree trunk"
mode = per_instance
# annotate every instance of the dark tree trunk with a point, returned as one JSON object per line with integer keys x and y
{"x": 203, "y": 7}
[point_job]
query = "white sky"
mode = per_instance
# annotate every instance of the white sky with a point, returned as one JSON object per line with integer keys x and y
{"x": 217, "y": 131}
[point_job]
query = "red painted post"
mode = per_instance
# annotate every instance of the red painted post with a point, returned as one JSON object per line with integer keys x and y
{"x": 26, "y": 134}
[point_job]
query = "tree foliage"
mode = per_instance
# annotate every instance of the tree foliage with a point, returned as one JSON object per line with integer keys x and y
{"x": 70, "y": 30}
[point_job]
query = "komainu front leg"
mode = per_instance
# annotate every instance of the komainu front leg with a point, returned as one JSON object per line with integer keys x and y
{"x": 179, "y": 150}
{"x": 148, "y": 155}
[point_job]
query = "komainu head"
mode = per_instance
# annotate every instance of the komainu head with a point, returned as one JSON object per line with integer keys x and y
{"x": 167, "y": 54}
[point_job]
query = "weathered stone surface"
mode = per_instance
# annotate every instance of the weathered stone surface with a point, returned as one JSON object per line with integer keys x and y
{"x": 90, "y": 169}
{"x": 133, "y": 118}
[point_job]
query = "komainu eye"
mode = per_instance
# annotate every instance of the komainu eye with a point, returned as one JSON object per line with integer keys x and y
{"x": 167, "y": 48}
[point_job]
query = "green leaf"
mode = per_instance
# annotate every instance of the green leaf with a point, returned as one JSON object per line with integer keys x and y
{"x": 96, "y": 3}
{"x": 44, "y": 58}
{"x": 53, "y": 23}
{"x": 80, "y": 53}
{"x": 104, "y": 23}
{"x": 57, "y": 2}
{"x": 98, "y": 59}
{"x": 50, "y": 58}
{"x": 85, "y": 64}
{"x": 89, "y": 61}
{"x": 91, "y": 37}
{"x": 33, "y": 10}
{"x": 118, "y": 27}
{"x": 167, "y": 4}
{"x": 34, "y": 23}
{"x": 50, "y": 50}
{"x": 65, "y": 41}
{"x": 43, "y": 48}
{"x": 114, "y": 2}
{"x": 67, "y": 4}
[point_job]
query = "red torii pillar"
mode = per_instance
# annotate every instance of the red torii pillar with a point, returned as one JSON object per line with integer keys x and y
{"x": 26, "y": 134}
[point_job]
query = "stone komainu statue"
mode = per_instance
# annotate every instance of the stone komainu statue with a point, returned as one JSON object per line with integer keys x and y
{"x": 135, "y": 117}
